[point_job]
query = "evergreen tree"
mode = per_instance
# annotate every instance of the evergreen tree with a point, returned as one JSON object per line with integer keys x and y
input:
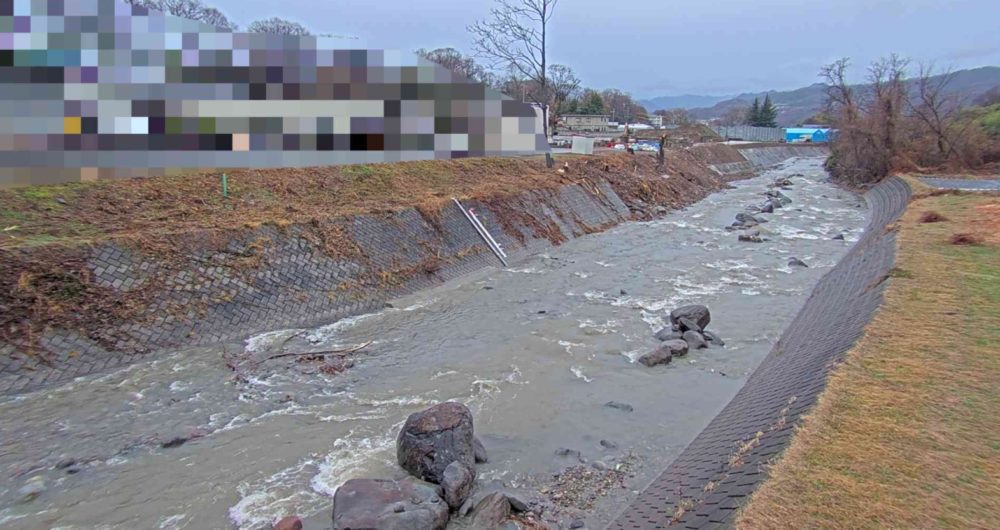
{"x": 753, "y": 113}
{"x": 591, "y": 103}
{"x": 768, "y": 116}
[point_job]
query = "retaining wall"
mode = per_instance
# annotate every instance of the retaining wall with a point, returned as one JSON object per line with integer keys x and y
{"x": 759, "y": 157}
{"x": 783, "y": 388}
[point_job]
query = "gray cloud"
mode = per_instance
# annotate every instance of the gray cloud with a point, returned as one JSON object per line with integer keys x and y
{"x": 657, "y": 47}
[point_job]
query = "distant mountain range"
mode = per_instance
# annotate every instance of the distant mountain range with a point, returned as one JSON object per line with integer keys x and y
{"x": 795, "y": 106}
{"x": 685, "y": 101}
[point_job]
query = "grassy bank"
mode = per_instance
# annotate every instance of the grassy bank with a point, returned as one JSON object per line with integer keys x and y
{"x": 906, "y": 435}
{"x": 152, "y": 207}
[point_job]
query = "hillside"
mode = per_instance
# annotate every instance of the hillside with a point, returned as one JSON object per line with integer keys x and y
{"x": 685, "y": 101}
{"x": 795, "y": 106}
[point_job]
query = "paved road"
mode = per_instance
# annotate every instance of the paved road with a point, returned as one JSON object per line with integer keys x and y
{"x": 962, "y": 184}
{"x": 718, "y": 471}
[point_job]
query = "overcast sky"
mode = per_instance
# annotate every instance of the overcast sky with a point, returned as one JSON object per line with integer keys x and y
{"x": 669, "y": 47}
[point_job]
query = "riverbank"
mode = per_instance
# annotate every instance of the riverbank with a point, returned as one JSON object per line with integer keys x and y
{"x": 905, "y": 434}
{"x": 99, "y": 275}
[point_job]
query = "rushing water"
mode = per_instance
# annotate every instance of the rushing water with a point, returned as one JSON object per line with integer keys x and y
{"x": 535, "y": 351}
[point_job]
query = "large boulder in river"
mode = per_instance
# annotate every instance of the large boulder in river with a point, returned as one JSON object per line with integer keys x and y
{"x": 695, "y": 313}
{"x": 694, "y": 340}
{"x": 433, "y": 438}
{"x": 388, "y": 504}
{"x": 665, "y": 353}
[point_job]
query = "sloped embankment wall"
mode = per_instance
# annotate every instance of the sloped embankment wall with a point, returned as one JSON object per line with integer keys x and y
{"x": 722, "y": 467}
{"x": 729, "y": 160}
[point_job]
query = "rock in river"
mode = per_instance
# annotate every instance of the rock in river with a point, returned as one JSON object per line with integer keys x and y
{"x": 620, "y": 406}
{"x": 479, "y": 451}
{"x": 288, "y": 523}
{"x": 491, "y": 512}
{"x": 694, "y": 340}
{"x": 712, "y": 338}
{"x": 667, "y": 334}
{"x": 796, "y": 262}
{"x": 433, "y": 438}
{"x": 665, "y": 353}
{"x": 457, "y": 483}
{"x": 402, "y": 505}
{"x": 696, "y": 313}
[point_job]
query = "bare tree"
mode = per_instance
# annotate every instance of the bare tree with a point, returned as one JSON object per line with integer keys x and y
{"x": 621, "y": 106}
{"x": 936, "y": 109}
{"x": 840, "y": 99}
{"x": 734, "y": 116}
{"x": 189, "y": 9}
{"x": 674, "y": 116}
{"x": 867, "y": 119}
{"x": 278, "y": 26}
{"x": 459, "y": 63}
{"x": 887, "y": 77}
{"x": 515, "y": 38}
{"x": 564, "y": 86}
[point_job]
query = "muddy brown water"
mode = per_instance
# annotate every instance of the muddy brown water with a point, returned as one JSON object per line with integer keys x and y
{"x": 535, "y": 351}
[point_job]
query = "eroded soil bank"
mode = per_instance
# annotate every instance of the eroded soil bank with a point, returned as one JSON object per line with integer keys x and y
{"x": 536, "y": 351}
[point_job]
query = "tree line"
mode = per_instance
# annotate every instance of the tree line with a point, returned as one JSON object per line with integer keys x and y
{"x": 896, "y": 123}
{"x": 196, "y": 10}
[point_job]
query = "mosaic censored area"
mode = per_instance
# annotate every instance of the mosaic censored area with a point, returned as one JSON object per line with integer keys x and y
{"x": 102, "y": 89}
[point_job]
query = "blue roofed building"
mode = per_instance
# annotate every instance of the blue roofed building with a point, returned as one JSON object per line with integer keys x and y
{"x": 807, "y": 134}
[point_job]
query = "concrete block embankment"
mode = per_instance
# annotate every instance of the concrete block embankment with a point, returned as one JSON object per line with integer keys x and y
{"x": 731, "y": 160}
{"x": 717, "y": 472}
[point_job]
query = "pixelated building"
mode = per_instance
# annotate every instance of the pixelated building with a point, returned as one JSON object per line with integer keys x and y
{"x": 95, "y": 89}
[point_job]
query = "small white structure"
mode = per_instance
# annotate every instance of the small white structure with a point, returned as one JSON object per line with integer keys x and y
{"x": 583, "y": 145}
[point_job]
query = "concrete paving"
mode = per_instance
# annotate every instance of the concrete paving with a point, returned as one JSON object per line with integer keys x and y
{"x": 962, "y": 184}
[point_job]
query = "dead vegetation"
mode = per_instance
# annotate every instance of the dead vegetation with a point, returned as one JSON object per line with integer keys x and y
{"x": 155, "y": 208}
{"x": 965, "y": 239}
{"x": 905, "y": 435}
{"x": 931, "y": 217}
{"x": 896, "y": 124}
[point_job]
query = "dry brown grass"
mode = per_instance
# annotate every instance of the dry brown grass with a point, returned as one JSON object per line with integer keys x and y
{"x": 157, "y": 207}
{"x": 906, "y": 434}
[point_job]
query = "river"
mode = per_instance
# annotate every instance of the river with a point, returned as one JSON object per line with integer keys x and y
{"x": 535, "y": 351}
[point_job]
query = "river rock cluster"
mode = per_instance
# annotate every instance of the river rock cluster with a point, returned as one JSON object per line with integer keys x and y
{"x": 750, "y": 220}
{"x": 685, "y": 332}
{"x": 439, "y": 449}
